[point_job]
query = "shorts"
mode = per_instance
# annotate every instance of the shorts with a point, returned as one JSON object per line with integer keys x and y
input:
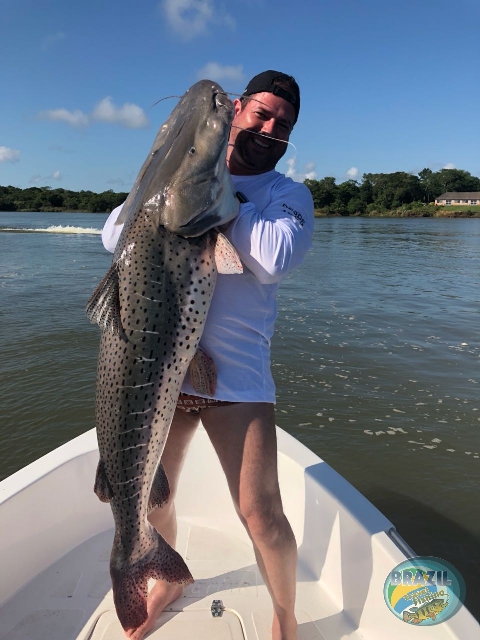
{"x": 194, "y": 404}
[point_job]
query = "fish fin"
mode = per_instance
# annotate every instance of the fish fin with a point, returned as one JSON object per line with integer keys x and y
{"x": 102, "y": 486}
{"x": 160, "y": 491}
{"x": 130, "y": 580}
{"x": 203, "y": 373}
{"x": 226, "y": 256}
{"x": 103, "y": 308}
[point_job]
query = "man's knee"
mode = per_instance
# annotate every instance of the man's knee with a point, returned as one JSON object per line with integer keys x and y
{"x": 264, "y": 518}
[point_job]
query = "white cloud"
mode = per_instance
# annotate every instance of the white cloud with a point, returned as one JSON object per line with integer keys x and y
{"x": 352, "y": 173}
{"x": 218, "y": 72}
{"x": 75, "y": 118}
{"x": 190, "y": 18}
{"x": 308, "y": 174}
{"x": 9, "y": 155}
{"x": 37, "y": 178}
{"x": 51, "y": 40}
{"x": 128, "y": 115}
{"x": 449, "y": 165}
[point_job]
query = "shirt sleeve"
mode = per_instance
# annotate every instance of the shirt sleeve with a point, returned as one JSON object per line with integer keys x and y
{"x": 111, "y": 231}
{"x": 275, "y": 241}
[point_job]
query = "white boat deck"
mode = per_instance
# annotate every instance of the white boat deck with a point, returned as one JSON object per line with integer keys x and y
{"x": 56, "y": 538}
{"x": 73, "y": 598}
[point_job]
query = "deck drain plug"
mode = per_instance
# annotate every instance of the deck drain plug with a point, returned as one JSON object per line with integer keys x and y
{"x": 217, "y": 608}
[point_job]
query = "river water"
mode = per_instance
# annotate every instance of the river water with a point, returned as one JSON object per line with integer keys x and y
{"x": 376, "y": 359}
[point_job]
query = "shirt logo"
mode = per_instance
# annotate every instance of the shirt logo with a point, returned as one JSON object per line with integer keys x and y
{"x": 293, "y": 212}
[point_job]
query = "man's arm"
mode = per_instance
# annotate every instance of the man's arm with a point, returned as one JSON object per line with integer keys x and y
{"x": 274, "y": 242}
{"x": 111, "y": 231}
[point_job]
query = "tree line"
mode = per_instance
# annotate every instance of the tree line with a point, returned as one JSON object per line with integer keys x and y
{"x": 375, "y": 193}
{"x": 382, "y": 192}
{"x": 48, "y": 199}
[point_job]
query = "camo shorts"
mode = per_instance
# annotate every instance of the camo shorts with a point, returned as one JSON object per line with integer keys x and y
{"x": 194, "y": 404}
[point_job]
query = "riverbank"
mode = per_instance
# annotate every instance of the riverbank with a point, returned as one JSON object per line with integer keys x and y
{"x": 427, "y": 211}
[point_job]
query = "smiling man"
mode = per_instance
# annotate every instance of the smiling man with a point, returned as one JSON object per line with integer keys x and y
{"x": 266, "y": 107}
{"x": 272, "y": 234}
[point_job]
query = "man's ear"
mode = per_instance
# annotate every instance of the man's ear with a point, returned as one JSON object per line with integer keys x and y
{"x": 237, "y": 105}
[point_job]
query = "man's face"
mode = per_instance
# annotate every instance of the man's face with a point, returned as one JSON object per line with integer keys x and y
{"x": 263, "y": 113}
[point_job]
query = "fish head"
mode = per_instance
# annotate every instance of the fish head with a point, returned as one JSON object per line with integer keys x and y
{"x": 184, "y": 184}
{"x": 199, "y": 194}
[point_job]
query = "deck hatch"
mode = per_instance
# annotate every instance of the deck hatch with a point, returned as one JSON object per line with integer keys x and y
{"x": 184, "y": 625}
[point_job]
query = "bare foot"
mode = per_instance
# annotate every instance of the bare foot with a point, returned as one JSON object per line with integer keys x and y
{"x": 160, "y": 596}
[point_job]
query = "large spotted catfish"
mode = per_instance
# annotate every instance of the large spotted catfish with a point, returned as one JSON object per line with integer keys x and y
{"x": 151, "y": 306}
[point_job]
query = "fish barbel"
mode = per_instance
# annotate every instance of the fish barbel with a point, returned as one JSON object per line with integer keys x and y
{"x": 151, "y": 306}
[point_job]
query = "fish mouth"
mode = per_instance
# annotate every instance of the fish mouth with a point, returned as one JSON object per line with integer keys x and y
{"x": 223, "y": 106}
{"x": 199, "y": 225}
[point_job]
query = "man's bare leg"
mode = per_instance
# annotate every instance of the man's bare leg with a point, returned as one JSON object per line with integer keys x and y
{"x": 244, "y": 438}
{"x": 164, "y": 518}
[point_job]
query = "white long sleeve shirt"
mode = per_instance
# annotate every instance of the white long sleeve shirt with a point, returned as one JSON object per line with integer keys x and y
{"x": 272, "y": 234}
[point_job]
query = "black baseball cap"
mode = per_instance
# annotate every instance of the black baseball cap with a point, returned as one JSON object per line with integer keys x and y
{"x": 271, "y": 82}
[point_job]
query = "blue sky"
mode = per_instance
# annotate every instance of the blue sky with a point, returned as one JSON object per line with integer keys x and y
{"x": 386, "y": 86}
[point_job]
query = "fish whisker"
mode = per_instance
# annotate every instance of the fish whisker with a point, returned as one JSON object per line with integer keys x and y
{"x": 161, "y": 100}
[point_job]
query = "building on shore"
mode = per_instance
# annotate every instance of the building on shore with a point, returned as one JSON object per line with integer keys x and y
{"x": 458, "y": 197}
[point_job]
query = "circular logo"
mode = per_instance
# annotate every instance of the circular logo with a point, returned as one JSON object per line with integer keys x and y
{"x": 424, "y": 591}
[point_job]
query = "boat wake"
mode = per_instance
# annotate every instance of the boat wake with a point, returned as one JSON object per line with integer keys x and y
{"x": 52, "y": 229}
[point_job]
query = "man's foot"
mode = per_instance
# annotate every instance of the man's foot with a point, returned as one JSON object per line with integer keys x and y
{"x": 161, "y": 595}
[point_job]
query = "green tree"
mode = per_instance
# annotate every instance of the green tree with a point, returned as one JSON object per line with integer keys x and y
{"x": 323, "y": 191}
{"x": 7, "y": 203}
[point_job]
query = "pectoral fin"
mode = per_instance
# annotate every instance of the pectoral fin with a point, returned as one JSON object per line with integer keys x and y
{"x": 226, "y": 256}
{"x": 203, "y": 373}
{"x": 103, "y": 308}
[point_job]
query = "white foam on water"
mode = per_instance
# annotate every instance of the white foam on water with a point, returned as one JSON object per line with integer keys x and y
{"x": 56, "y": 229}
{"x": 61, "y": 229}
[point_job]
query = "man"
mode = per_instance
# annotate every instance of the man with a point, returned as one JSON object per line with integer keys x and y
{"x": 272, "y": 233}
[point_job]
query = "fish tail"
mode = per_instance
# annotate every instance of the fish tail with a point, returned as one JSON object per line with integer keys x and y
{"x": 130, "y": 580}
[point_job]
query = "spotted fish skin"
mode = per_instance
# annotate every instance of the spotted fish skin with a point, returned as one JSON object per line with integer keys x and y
{"x": 152, "y": 306}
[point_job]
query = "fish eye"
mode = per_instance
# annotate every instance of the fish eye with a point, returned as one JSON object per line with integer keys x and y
{"x": 191, "y": 151}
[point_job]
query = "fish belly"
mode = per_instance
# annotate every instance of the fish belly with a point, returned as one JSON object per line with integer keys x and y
{"x": 165, "y": 287}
